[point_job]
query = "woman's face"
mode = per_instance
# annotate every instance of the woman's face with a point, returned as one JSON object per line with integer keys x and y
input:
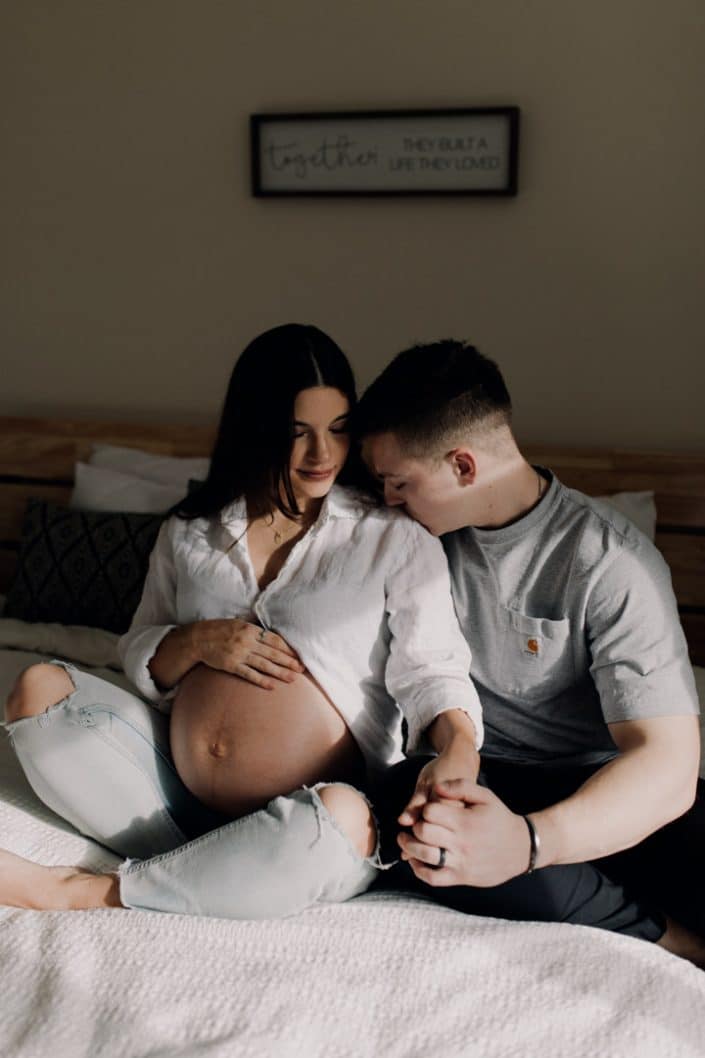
{"x": 320, "y": 441}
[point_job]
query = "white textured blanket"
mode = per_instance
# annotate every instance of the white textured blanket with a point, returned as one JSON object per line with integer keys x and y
{"x": 381, "y": 976}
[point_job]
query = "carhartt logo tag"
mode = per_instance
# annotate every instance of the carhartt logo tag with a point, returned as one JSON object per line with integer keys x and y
{"x": 532, "y": 647}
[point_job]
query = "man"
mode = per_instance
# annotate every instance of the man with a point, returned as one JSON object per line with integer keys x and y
{"x": 591, "y": 744}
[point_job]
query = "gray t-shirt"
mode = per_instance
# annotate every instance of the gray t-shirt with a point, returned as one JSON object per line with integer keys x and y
{"x": 573, "y": 625}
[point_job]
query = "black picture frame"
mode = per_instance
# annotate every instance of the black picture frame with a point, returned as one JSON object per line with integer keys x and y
{"x": 473, "y": 151}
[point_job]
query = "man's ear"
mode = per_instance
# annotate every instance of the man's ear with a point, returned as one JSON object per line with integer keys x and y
{"x": 463, "y": 465}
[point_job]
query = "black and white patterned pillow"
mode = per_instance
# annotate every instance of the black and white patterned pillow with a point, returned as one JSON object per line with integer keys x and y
{"x": 81, "y": 567}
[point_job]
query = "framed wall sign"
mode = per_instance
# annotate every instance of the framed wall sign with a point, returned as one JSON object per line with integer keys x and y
{"x": 463, "y": 151}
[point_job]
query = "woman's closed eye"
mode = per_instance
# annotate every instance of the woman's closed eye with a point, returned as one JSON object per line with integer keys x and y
{"x": 338, "y": 430}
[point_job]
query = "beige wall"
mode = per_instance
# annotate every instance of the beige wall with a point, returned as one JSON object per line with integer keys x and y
{"x": 136, "y": 264}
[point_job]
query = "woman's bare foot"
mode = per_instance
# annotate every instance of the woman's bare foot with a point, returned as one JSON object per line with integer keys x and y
{"x": 37, "y": 888}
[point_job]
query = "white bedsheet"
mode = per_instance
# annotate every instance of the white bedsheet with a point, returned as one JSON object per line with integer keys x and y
{"x": 382, "y": 976}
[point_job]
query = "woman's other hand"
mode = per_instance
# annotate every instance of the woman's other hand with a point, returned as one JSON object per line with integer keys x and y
{"x": 452, "y": 734}
{"x": 458, "y": 761}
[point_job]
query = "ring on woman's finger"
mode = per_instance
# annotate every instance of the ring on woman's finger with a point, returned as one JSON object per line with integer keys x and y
{"x": 441, "y": 860}
{"x": 261, "y": 635}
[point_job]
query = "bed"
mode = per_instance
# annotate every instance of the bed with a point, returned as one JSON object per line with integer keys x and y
{"x": 384, "y": 975}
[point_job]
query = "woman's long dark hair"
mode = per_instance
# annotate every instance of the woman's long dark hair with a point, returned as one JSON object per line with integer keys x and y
{"x": 253, "y": 445}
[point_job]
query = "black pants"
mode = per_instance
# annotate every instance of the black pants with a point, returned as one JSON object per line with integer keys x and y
{"x": 629, "y": 892}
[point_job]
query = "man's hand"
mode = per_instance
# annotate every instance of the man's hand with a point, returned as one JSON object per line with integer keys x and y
{"x": 486, "y": 844}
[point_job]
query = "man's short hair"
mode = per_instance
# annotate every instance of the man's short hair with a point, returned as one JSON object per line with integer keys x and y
{"x": 432, "y": 395}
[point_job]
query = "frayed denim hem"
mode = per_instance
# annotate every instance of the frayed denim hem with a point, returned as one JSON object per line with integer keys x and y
{"x": 375, "y": 860}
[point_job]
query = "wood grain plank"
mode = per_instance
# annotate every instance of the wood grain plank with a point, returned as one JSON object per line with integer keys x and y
{"x": 677, "y": 479}
{"x": 596, "y": 472}
{"x": 680, "y": 510}
{"x": 694, "y": 628}
{"x": 50, "y": 447}
{"x": 617, "y": 460}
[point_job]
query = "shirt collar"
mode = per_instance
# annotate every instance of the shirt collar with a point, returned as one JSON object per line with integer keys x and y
{"x": 339, "y": 503}
{"x": 509, "y": 534}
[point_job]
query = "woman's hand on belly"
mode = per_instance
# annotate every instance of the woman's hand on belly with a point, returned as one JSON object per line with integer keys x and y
{"x": 229, "y": 644}
{"x": 246, "y": 650}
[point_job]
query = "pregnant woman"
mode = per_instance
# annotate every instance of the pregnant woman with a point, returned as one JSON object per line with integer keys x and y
{"x": 288, "y": 625}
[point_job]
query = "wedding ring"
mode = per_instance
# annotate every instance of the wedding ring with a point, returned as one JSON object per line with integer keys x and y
{"x": 441, "y": 860}
{"x": 261, "y": 635}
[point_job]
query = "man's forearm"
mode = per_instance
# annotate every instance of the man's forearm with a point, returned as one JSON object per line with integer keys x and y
{"x": 621, "y": 804}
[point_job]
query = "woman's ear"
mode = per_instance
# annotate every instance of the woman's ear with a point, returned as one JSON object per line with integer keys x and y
{"x": 463, "y": 465}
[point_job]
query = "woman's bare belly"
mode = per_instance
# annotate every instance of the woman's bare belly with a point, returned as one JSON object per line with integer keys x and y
{"x": 236, "y": 745}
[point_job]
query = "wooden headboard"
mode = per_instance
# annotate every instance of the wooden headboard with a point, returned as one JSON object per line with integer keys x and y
{"x": 37, "y": 458}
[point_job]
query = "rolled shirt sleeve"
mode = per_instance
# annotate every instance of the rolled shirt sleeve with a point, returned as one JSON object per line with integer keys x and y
{"x": 153, "y": 619}
{"x": 428, "y": 666}
{"x": 640, "y": 662}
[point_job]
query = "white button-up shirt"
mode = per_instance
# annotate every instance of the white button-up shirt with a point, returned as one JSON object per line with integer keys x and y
{"x": 363, "y": 598}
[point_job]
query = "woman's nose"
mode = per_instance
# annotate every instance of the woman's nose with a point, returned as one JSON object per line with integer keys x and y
{"x": 320, "y": 448}
{"x": 391, "y": 498}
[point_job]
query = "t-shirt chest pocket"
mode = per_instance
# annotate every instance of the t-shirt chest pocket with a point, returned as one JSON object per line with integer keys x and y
{"x": 537, "y": 659}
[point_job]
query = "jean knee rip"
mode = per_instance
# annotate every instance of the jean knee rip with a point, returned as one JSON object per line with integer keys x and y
{"x": 375, "y": 859}
{"x": 44, "y": 718}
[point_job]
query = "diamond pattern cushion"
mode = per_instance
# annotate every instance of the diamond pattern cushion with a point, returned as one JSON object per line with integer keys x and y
{"x": 81, "y": 567}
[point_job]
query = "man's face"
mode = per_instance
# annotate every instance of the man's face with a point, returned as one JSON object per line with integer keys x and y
{"x": 429, "y": 491}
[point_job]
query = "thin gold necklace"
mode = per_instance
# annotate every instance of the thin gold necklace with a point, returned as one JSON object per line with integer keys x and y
{"x": 279, "y": 536}
{"x": 276, "y": 532}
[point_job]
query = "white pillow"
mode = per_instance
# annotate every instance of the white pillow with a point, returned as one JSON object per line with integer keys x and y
{"x": 638, "y": 507}
{"x": 99, "y": 489}
{"x": 167, "y": 470}
{"x": 699, "y": 674}
{"x": 87, "y": 646}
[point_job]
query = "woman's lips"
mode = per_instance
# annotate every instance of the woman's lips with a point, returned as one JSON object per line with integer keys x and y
{"x": 317, "y": 475}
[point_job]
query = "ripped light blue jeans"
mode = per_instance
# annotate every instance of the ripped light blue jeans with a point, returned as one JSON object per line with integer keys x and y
{"x": 100, "y": 758}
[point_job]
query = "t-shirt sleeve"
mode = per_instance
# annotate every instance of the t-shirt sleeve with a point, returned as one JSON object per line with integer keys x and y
{"x": 153, "y": 619}
{"x": 428, "y": 665}
{"x": 640, "y": 662}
